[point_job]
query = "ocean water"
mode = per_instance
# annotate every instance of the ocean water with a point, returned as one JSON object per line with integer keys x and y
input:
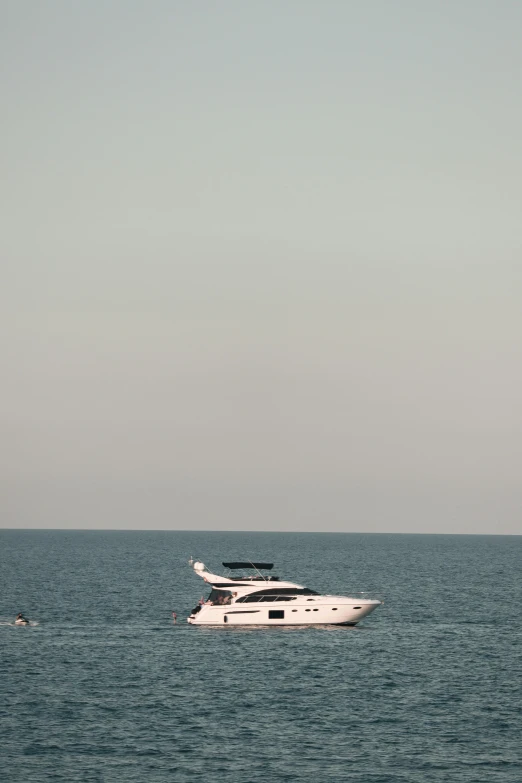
{"x": 105, "y": 688}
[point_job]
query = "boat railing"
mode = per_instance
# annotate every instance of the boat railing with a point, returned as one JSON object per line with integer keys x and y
{"x": 368, "y": 595}
{"x": 256, "y": 599}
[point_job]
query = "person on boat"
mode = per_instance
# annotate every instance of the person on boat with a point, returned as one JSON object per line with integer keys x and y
{"x": 21, "y": 619}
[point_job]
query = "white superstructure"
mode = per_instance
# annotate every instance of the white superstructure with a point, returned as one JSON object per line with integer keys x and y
{"x": 257, "y": 599}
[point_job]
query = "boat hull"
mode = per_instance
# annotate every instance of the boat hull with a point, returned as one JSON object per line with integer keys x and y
{"x": 313, "y": 612}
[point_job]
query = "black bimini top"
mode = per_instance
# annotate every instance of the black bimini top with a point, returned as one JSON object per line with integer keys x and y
{"x": 266, "y": 566}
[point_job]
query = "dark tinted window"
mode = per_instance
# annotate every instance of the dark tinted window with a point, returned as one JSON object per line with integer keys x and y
{"x": 277, "y": 591}
{"x": 253, "y": 599}
{"x": 257, "y": 598}
{"x": 276, "y": 614}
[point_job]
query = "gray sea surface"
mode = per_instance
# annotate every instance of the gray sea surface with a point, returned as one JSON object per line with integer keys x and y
{"x": 105, "y": 688}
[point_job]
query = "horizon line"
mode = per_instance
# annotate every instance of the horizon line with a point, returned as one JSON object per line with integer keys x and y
{"x": 297, "y": 532}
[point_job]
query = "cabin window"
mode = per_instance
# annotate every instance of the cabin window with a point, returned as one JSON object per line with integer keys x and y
{"x": 255, "y": 598}
{"x": 276, "y": 593}
{"x": 334, "y": 609}
{"x": 357, "y": 607}
{"x": 276, "y": 614}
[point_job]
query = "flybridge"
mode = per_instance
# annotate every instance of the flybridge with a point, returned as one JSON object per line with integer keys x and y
{"x": 236, "y": 565}
{"x": 249, "y": 566}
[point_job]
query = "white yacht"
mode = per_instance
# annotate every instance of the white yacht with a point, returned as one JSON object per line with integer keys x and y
{"x": 250, "y": 597}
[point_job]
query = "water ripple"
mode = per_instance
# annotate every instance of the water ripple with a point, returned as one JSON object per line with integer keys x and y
{"x": 107, "y": 689}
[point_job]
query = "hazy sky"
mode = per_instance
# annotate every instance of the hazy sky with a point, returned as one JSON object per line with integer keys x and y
{"x": 261, "y": 264}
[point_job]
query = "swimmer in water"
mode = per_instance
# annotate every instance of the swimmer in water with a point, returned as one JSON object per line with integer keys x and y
{"x": 174, "y": 617}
